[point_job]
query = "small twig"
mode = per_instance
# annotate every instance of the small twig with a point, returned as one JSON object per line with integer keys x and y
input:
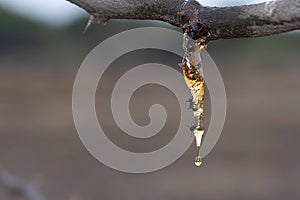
{"x": 14, "y": 185}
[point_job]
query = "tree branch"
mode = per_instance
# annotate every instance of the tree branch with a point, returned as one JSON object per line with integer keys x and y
{"x": 255, "y": 20}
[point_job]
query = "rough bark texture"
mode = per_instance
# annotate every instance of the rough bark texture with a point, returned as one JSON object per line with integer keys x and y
{"x": 255, "y": 20}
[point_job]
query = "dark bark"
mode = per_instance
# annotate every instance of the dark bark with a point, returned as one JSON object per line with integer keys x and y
{"x": 255, "y": 20}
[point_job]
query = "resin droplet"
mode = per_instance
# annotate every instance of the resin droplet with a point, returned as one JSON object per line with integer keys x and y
{"x": 193, "y": 75}
{"x": 198, "y": 133}
{"x": 198, "y": 161}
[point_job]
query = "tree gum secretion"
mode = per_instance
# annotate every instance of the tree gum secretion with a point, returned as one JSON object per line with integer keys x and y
{"x": 193, "y": 75}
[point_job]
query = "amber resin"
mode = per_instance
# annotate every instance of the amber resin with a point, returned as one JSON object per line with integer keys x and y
{"x": 193, "y": 75}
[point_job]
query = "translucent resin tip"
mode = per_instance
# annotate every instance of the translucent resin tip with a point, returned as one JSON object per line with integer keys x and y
{"x": 198, "y": 162}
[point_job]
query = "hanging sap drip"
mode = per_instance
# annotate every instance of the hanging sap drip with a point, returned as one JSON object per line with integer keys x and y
{"x": 193, "y": 75}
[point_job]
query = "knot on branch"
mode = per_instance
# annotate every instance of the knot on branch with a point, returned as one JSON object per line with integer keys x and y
{"x": 190, "y": 22}
{"x": 197, "y": 31}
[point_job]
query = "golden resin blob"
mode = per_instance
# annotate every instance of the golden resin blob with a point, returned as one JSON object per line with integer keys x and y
{"x": 193, "y": 75}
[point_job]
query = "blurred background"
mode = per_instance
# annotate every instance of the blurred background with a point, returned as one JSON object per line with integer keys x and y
{"x": 41, "y": 48}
